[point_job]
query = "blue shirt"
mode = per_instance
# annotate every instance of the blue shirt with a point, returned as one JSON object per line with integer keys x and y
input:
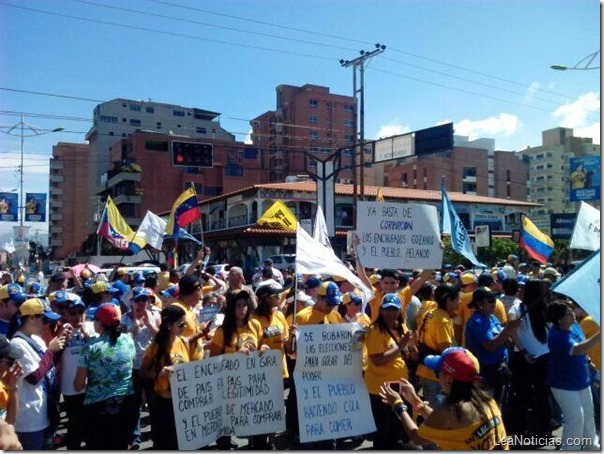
{"x": 566, "y": 371}
{"x": 480, "y": 329}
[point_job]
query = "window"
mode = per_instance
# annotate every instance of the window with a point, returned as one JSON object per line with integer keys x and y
{"x": 178, "y": 113}
{"x": 328, "y": 104}
{"x": 200, "y": 130}
{"x": 134, "y": 122}
{"x": 349, "y": 108}
{"x": 233, "y": 171}
{"x": 313, "y": 103}
{"x": 469, "y": 172}
{"x": 325, "y": 150}
{"x": 312, "y": 164}
{"x": 314, "y": 119}
{"x": 314, "y": 150}
{"x": 108, "y": 119}
{"x": 110, "y": 133}
{"x": 150, "y": 109}
{"x": 135, "y": 108}
{"x": 348, "y": 137}
{"x": 158, "y": 125}
{"x": 314, "y": 134}
{"x": 348, "y": 153}
{"x": 348, "y": 123}
{"x": 124, "y": 120}
{"x": 156, "y": 145}
{"x": 211, "y": 190}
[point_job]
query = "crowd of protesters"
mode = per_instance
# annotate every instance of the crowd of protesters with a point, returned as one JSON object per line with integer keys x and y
{"x": 474, "y": 356}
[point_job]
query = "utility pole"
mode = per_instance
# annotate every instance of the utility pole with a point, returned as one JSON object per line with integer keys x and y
{"x": 358, "y": 64}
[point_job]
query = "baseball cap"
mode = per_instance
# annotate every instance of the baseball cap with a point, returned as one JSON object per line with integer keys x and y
{"x": 59, "y": 297}
{"x": 450, "y": 275}
{"x": 352, "y": 297}
{"x": 35, "y": 288}
{"x": 35, "y": 306}
{"x": 485, "y": 279}
{"x": 13, "y": 292}
{"x": 267, "y": 261}
{"x": 108, "y": 314}
{"x": 273, "y": 288}
{"x": 7, "y": 350}
{"x": 85, "y": 274}
{"x": 375, "y": 278}
{"x": 331, "y": 292}
{"x": 312, "y": 282}
{"x": 300, "y": 296}
{"x": 139, "y": 292}
{"x": 138, "y": 277}
{"x": 482, "y": 293}
{"x": 170, "y": 292}
{"x": 121, "y": 271}
{"x": 455, "y": 362}
{"x": 551, "y": 272}
{"x": 188, "y": 284}
{"x": 75, "y": 300}
{"x": 468, "y": 278}
{"x": 512, "y": 257}
{"x": 103, "y": 287}
{"x": 391, "y": 300}
{"x": 447, "y": 266}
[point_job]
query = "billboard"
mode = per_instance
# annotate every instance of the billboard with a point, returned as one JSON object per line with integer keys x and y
{"x": 585, "y": 178}
{"x": 393, "y": 148}
{"x": 9, "y": 207}
{"x": 35, "y": 207}
{"x": 561, "y": 225}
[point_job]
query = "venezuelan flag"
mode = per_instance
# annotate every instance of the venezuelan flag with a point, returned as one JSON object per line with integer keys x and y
{"x": 184, "y": 211}
{"x": 536, "y": 243}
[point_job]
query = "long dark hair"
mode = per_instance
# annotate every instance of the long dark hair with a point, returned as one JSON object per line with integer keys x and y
{"x": 169, "y": 315}
{"x": 462, "y": 392}
{"x": 443, "y": 293}
{"x": 114, "y": 332}
{"x": 229, "y": 325}
{"x": 399, "y": 325}
{"x": 264, "y": 309}
{"x": 536, "y": 299}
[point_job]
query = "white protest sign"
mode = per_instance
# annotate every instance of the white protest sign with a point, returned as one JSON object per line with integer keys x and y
{"x": 398, "y": 235}
{"x": 227, "y": 394}
{"x": 586, "y": 234}
{"x": 333, "y": 401}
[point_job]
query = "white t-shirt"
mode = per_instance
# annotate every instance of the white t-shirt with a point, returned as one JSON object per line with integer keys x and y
{"x": 525, "y": 333}
{"x": 69, "y": 360}
{"x": 142, "y": 338}
{"x": 32, "y": 415}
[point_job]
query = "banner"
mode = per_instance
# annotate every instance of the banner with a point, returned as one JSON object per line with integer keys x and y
{"x": 333, "y": 401}
{"x": 561, "y": 225}
{"x": 398, "y": 235}
{"x": 233, "y": 394}
{"x": 482, "y": 237}
{"x": 279, "y": 216}
{"x": 320, "y": 231}
{"x": 586, "y": 234}
{"x": 9, "y": 207}
{"x": 35, "y": 207}
{"x": 151, "y": 231}
{"x": 585, "y": 178}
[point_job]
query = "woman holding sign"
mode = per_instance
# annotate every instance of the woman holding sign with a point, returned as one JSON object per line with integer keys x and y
{"x": 239, "y": 333}
{"x": 168, "y": 348}
{"x": 388, "y": 342}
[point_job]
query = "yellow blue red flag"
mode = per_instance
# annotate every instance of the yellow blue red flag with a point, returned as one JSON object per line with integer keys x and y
{"x": 116, "y": 230}
{"x": 536, "y": 243}
{"x": 184, "y": 211}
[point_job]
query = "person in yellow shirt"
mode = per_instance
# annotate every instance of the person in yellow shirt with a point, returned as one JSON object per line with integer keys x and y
{"x": 589, "y": 327}
{"x": 168, "y": 349}
{"x": 387, "y": 342}
{"x": 435, "y": 335}
{"x": 324, "y": 310}
{"x": 469, "y": 419}
{"x": 350, "y": 309}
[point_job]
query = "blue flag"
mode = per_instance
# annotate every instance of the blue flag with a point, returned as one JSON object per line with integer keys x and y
{"x": 183, "y": 234}
{"x": 583, "y": 285}
{"x": 460, "y": 240}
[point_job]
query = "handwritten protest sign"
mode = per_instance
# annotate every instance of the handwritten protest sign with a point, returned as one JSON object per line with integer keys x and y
{"x": 227, "y": 394}
{"x": 398, "y": 235}
{"x": 333, "y": 401}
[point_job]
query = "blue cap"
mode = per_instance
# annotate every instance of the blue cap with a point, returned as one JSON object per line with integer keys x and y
{"x": 75, "y": 301}
{"x": 391, "y": 300}
{"x": 170, "y": 292}
{"x": 61, "y": 297}
{"x": 447, "y": 265}
{"x": 139, "y": 292}
{"x": 15, "y": 293}
{"x": 138, "y": 277}
{"x": 312, "y": 282}
{"x": 331, "y": 292}
{"x": 34, "y": 288}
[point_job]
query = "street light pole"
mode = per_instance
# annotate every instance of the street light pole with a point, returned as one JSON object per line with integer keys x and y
{"x": 586, "y": 67}
{"x": 359, "y": 64}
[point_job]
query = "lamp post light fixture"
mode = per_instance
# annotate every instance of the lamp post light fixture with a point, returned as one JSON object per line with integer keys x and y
{"x": 21, "y": 127}
{"x": 590, "y": 58}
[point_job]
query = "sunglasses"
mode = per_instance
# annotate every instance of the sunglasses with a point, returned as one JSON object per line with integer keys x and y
{"x": 76, "y": 311}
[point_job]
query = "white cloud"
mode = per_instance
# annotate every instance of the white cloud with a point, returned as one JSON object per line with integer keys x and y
{"x": 532, "y": 89}
{"x": 574, "y": 115}
{"x": 392, "y": 129}
{"x": 503, "y": 125}
{"x": 592, "y": 131}
{"x": 248, "y": 137}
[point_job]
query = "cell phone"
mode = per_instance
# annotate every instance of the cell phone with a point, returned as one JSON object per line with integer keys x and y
{"x": 395, "y": 386}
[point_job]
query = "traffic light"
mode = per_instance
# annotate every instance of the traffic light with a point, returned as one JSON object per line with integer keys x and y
{"x": 192, "y": 154}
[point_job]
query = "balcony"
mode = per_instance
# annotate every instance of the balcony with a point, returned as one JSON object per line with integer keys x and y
{"x": 57, "y": 179}
{"x": 123, "y": 176}
{"x": 56, "y": 229}
{"x": 56, "y": 217}
{"x": 56, "y": 191}
{"x": 238, "y": 221}
{"x": 124, "y": 198}
{"x": 469, "y": 179}
{"x": 56, "y": 242}
{"x": 56, "y": 165}
{"x": 55, "y": 203}
{"x": 217, "y": 225}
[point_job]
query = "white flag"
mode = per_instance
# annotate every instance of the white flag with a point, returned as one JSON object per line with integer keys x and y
{"x": 151, "y": 230}
{"x": 320, "y": 232}
{"x": 586, "y": 234}
{"x": 9, "y": 246}
{"x": 313, "y": 257}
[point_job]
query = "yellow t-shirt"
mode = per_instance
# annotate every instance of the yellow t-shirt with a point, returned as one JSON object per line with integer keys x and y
{"x": 483, "y": 435}
{"x": 378, "y": 341}
{"x": 191, "y": 328}
{"x": 375, "y": 304}
{"x": 179, "y": 353}
{"x": 243, "y": 337}
{"x": 163, "y": 280}
{"x": 589, "y": 328}
{"x": 275, "y": 332}
{"x": 3, "y": 398}
{"x": 438, "y": 328}
{"x": 427, "y": 307}
{"x": 312, "y": 316}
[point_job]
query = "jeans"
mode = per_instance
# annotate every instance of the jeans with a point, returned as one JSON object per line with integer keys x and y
{"x": 32, "y": 441}
{"x": 114, "y": 421}
{"x": 142, "y": 385}
{"x": 74, "y": 407}
{"x": 578, "y": 410}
